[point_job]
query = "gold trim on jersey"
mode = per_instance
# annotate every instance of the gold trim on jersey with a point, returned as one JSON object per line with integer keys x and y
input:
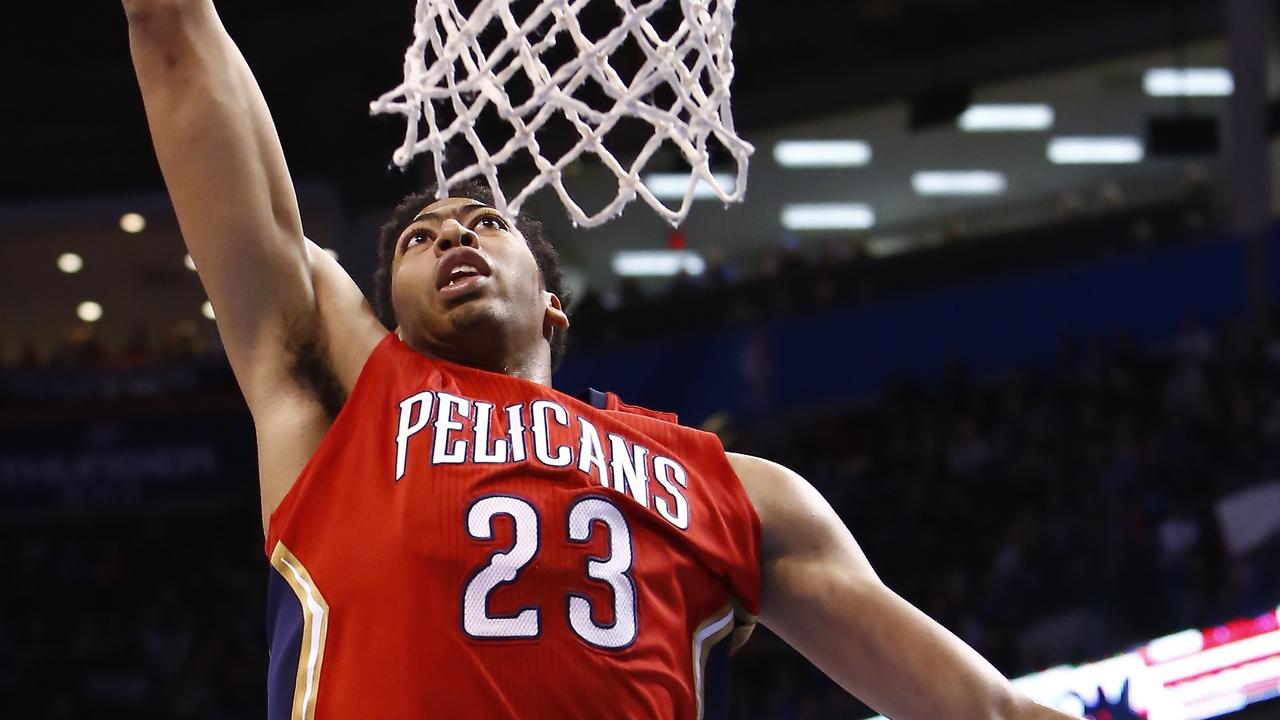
{"x": 315, "y": 628}
{"x": 705, "y": 636}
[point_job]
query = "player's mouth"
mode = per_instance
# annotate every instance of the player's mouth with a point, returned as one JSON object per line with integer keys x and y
{"x": 461, "y": 271}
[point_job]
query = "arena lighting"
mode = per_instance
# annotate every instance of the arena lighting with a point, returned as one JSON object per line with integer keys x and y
{"x": 1190, "y": 675}
{"x": 89, "y": 311}
{"x": 828, "y": 216}
{"x": 206, "y": 309}
{"x": 70, "y": 263}
{"x": 1006, "y": 118}
{"x": 188, "y": 263}
{"x": 1188, "y": 82}
{"x": 132, "y": 223}
{"x": 1216, "y": 658}
{"x": 1175, "y": 645}
{"x": 1100, "y": 150}
{"x": 657, "y": 263}
{"x": 882, "y": 247}
{"x": 822, "y": 153}
{"x": 959, "y": 182}
{"x": 671, "y": 186}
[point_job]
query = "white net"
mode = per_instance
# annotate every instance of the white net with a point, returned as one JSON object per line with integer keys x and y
{"x": 500, "y": 59}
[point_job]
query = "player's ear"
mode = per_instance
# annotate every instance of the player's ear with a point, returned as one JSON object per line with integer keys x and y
{"x": 555, "y": 317}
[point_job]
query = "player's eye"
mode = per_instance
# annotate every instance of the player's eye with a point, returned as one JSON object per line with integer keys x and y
{"x": 489, "y": 222}
{"x": 415, "y": 238}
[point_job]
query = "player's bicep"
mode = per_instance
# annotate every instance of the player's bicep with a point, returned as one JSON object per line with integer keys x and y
{"x": 786, "y": 501}
{"x": 212, "y": 130}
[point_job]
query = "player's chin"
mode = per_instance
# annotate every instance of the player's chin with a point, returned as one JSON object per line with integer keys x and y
{"x": 475, "y": 313}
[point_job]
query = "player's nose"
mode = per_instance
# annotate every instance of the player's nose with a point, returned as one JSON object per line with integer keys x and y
{"x": 452, "y": 234}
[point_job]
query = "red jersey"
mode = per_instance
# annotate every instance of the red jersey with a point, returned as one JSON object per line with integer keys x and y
{"x": 464, "y": 544}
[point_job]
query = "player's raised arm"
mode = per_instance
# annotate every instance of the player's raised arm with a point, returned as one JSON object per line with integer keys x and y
{"x": 821, "y": 596}
{"x": 226, "y": 174}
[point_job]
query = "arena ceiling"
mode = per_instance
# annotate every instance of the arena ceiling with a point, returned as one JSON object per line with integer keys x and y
{"x": 77, "y": 153}
{"x": 74, "y": 121}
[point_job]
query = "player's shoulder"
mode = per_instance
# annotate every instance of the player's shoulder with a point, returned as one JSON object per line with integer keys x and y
{"x": 792, "y": 512}
{"x": 762, "y": 478}
{"x": 751, "y": 463}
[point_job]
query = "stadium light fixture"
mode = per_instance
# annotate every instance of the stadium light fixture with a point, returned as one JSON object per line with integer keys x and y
{"x": 206, "y": 309}
{"x": 89, "y": 311}
{"x": 959, "y": 182}
{"x": 1179, "y": 644}
{"x": 1014, "y": 117}
{"x": 657, "y": 263}
{"x": 188, "y": 263}
{"x": 883, "y": 247}
{"x": 671, "y": 186}
{"x": 1098, "y": 150}
{"x": 822, "y": 153}
{"x": 133, "y": 223}
{"x": 828, "y": 216}
{"x": 1188, "y": 82}
{"x": 70, "y": 263}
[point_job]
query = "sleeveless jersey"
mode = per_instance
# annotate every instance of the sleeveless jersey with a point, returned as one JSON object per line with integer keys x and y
{"x": 464, "y": 544}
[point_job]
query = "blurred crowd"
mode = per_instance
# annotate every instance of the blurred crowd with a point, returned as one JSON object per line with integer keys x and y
{"x": 185, "y": 359}
{"x": 798, "y": 276}
{"x": 159, "y": 616}
{"x": 1056, "y": 514}
{"x": 819, "y": 272}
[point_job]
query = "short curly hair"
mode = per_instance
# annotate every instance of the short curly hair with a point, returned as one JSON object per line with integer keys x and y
{"x": 544, "y": 253}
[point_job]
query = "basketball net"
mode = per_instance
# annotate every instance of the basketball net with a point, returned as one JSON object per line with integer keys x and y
{"x": 451, "y": 76}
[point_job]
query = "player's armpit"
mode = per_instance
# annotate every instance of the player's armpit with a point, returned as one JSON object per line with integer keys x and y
{"x": 348, "y": 324}
{"x": 821, "y": 595}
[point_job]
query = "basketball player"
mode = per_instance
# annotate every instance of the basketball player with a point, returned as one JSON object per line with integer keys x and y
{"x": 451, "y": 537}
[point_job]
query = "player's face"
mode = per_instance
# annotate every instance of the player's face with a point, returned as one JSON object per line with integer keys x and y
{"x": 465, "y": 285}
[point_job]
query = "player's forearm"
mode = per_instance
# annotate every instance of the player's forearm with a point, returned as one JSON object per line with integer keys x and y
{"x": 1024, "y": 708}
{"x": 211, "y": 128}
{"x": 927, "y": 672}
{"x": 888, "y": 654}
{"x": 883, "y": 650}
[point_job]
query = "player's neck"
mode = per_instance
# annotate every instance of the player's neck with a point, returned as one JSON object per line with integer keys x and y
{"x": 528, "y": 366}
{"x": 528, "y": 363}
